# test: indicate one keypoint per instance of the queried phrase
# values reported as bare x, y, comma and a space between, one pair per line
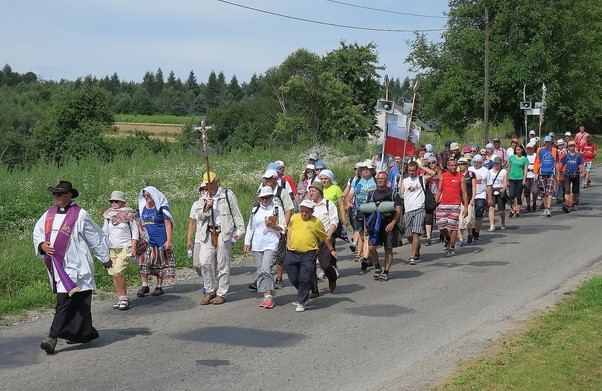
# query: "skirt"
158, 262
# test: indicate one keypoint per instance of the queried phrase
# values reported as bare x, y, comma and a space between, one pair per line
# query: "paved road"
402, 334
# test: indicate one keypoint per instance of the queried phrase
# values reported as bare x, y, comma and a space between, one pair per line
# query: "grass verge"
560, 350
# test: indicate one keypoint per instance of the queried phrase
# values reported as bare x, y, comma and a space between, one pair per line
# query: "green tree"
531, 43
77, 120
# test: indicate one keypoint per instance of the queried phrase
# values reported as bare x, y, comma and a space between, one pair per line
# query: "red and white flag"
397, 138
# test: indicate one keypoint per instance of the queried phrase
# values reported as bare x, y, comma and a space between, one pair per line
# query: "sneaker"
502, 227
365, 264
549, 213
460, 243
124, 305
574, 208
158, 291
116, 305
413, 261
545, 212
320, 274
383, 276
143, 291
353, 247
48, 344
207, 297
476, 238
492, 228
300, 307
450, 253
278, 283
565, 209
428, 242
253, 286
267, 302
446, 245
470, 239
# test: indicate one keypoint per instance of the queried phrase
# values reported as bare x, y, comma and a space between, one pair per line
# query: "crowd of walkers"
293, 226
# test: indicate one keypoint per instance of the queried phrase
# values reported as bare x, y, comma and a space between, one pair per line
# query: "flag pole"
382, 156
409, 126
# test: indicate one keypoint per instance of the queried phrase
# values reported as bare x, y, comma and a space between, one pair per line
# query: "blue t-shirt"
394, 177
362, 189
154, 222
572, 163
489, 164
547, 161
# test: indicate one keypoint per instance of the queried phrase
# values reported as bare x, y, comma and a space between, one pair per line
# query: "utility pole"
486, 92
525, 111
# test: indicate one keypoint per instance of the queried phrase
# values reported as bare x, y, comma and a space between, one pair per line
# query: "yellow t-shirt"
305, 235
332, 193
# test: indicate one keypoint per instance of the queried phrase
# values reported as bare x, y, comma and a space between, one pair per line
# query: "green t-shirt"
332, 193
517, 167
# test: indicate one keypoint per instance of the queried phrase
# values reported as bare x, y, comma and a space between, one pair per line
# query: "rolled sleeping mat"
368, 207
386, 207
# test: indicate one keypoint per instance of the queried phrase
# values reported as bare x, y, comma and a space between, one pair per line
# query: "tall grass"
24, 197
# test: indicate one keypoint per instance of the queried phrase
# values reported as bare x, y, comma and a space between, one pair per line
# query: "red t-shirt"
452, 188
587, 151
292, 183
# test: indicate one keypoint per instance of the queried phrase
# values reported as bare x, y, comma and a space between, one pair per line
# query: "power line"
325, 23
387, 11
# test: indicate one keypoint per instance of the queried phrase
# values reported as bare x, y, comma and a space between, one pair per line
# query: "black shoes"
48, 344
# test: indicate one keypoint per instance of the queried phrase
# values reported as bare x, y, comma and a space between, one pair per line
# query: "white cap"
568, 134
308, 204
454, 146
560, 141
312, 156
280, 163
533, 141
477, 158
270, 174
531, 132
310, 167
429, 148
366, 163
265, 191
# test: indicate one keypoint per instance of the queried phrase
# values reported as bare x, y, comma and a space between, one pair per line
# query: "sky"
67, 39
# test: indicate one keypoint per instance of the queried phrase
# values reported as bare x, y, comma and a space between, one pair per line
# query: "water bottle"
189, 253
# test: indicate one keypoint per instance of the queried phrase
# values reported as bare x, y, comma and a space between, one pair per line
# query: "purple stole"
55, 261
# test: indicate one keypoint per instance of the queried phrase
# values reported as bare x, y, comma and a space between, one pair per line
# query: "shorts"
384, 238
414, 222
447, 217
120, 260
468, 221
588, 166
531, 188
500, 200
547, 183
571, 185
480, 206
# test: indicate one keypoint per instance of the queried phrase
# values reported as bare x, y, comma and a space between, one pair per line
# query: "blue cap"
274, 166
547, 138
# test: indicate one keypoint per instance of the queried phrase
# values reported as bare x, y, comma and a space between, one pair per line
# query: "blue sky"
69, 39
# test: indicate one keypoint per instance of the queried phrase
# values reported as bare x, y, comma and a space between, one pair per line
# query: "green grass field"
560, 350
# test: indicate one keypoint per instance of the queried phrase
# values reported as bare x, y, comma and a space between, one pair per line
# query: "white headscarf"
330, 176
158, 197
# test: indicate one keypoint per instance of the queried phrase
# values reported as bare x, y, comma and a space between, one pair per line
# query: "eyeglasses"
319, 169
114, 201
58, 194
266, 198
473, 150
483, 154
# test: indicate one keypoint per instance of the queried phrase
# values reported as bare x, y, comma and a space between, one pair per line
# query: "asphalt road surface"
404, 334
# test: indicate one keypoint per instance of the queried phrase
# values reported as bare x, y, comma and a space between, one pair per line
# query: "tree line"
306, 99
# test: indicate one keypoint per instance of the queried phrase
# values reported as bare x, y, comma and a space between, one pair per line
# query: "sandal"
158, 291
116, 305
143, 291
124, 305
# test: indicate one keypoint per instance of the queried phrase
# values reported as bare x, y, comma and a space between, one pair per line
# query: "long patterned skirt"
158, 262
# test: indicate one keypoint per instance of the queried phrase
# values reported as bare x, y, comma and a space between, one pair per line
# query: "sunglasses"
114, 201
59, 194
266, 198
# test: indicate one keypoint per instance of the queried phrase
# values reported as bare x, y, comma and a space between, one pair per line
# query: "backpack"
430, 204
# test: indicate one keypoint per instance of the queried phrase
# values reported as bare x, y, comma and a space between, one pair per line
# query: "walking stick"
203, 129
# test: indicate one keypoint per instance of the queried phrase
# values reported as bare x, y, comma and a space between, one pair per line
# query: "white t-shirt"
413, 195
531, 158
499, 179
482, 175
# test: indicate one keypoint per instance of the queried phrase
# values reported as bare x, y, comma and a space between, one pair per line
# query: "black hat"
64, 187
